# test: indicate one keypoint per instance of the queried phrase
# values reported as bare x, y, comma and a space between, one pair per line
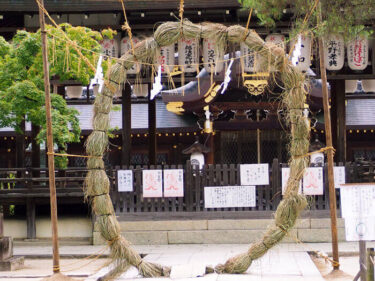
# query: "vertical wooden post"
51, 164
362, 260
211, 144
126, 125
20, 149
370, 264
327, 124
151, 128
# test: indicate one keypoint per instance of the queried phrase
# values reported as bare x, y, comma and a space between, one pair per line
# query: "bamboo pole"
327, 124
51, 163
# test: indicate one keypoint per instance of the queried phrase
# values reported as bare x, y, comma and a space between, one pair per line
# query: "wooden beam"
126, 125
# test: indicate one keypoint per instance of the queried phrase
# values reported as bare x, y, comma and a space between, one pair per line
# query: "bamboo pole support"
51, 163
327, 124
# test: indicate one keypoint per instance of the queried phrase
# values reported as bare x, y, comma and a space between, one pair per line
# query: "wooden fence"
267, 196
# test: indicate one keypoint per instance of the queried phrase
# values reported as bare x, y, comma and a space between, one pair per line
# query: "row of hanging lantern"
188, 53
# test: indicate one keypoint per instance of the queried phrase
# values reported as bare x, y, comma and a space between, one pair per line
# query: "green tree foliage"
347, 17
22, 82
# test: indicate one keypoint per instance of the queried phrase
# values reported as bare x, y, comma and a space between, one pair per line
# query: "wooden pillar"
30, 218
211, 144
20, 147
126, 125
339, 120
35, 156
151, 128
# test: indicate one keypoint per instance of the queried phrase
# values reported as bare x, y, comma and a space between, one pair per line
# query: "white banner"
339, 175
124, 180
313, 181
229, 196
212, 60
173, 183
254, 174
188, 56
152, 183
285, 173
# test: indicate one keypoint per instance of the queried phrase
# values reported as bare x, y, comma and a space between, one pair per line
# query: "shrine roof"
165, 120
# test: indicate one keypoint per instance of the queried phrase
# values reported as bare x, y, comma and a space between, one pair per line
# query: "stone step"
224, 231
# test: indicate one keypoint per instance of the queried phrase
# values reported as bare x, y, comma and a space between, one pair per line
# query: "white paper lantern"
368, 85
334, 52
350, 86
301, 55
277, 39
358, 53
127, 46
197, 159
188, 54
110, 47
140, 90
211, 59
166, 58
73, 92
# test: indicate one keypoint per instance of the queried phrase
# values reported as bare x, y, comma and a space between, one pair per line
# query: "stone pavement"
287, 261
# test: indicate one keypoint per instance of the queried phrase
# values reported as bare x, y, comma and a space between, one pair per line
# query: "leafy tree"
347, 17
22, 83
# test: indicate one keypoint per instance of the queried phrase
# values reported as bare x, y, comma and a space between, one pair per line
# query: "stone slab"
146, 237
163, 225
315, 235
12, 263
326, 223
213, 236
250, 224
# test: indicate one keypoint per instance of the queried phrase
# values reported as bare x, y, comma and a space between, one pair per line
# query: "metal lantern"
110, 47
358, 53
277, 39
249, 58
368, 85
188, 54
334, 52
127, 46
210, 58
301, 55
166, 58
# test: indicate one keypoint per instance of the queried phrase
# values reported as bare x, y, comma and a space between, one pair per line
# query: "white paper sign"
357, 200
357, 229
152, 183
313, 181
339, 176
254, 174
174, 183
285, 173
229, 196
124, 180
358, 209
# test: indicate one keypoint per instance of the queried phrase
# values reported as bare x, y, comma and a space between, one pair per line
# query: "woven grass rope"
293, 99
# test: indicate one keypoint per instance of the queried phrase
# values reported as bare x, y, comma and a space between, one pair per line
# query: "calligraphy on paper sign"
339, 176
174, 183
152, 183
358, 210
124, 180
229, 196
254, 174
313, 181
285, 173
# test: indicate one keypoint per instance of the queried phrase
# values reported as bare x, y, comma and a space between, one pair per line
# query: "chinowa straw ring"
293, 97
